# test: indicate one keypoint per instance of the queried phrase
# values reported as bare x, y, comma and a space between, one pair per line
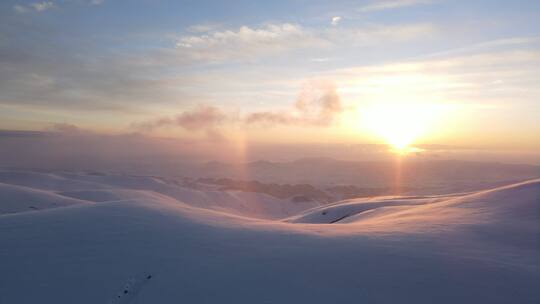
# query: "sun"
399, 125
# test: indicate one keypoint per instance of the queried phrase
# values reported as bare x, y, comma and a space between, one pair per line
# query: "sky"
400, 72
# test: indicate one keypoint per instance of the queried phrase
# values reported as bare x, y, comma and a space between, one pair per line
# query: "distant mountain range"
426, 176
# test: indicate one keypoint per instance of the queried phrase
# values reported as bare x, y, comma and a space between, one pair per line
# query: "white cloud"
42, 6
36, 6
336, 20
384, 5
247, 42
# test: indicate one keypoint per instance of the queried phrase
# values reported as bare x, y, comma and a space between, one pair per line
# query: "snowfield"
99, 238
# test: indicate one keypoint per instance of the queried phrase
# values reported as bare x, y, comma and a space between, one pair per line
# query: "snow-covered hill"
14, 199
93, 187
126, 239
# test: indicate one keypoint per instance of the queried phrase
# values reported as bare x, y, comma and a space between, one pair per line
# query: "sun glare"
400, 125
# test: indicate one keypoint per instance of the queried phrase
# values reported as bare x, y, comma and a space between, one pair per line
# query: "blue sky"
112, 66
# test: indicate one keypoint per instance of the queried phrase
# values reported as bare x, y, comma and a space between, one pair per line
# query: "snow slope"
342, 211
474, 248
15, 199
113, 187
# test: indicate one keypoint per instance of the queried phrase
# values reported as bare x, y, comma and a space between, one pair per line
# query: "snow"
207, 247
113, 187
15, 199
341, 211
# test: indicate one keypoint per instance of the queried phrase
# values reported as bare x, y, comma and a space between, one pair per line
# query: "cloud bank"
318, 104
204, 118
